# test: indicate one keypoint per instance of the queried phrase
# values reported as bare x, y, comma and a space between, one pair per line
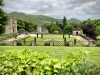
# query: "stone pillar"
15, 42
90, 43
33, 43
51, 42
15, 36
70, 43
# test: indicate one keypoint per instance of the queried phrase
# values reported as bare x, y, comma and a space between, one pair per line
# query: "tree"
64, 21
55, 28
29, 27
1, 3
61, 26
98, 30
57, 23
68, 29
3, 19
24, 26
89, 30
20, 25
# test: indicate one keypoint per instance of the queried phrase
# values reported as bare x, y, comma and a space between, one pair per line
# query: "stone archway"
77, 33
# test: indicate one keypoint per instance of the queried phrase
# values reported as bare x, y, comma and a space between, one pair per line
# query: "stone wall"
41, 29
11, 26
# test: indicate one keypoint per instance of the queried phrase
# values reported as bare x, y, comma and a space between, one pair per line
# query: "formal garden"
45, 40
52, 48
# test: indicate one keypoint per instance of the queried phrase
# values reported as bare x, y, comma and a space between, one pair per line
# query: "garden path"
82, 39
22, 36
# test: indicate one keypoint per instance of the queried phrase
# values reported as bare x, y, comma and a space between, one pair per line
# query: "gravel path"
82, 39
22, 36
18, 37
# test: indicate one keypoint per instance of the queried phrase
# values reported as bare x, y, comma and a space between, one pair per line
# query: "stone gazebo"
76, 31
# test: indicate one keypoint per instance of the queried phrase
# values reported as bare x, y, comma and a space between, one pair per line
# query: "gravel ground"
22, 36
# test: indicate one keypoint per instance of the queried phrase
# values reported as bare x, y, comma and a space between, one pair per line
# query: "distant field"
61, 51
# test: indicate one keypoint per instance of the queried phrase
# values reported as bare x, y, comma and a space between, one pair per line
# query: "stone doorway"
76, 33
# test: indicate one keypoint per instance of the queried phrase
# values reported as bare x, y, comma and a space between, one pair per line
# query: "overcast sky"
80, 9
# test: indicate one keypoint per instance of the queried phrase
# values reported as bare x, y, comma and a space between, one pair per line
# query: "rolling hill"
39, 19
35, 19
74, 20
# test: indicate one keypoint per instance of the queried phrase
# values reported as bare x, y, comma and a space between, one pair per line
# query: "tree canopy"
3, 19
64, 21
68, 29
1, 3
89, 30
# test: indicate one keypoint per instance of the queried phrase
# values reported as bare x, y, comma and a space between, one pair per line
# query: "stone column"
91, 43
70, 43
51, 42
15, 42
33, 43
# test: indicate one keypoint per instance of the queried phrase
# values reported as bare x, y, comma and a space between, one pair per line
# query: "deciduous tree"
3, 19
89, 30
68, 29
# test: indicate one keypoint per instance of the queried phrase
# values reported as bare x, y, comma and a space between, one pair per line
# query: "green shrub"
98, 44
35, 39
3, 44
47, 43
28, 62
55, 32
66, 43
74, 41
19, 43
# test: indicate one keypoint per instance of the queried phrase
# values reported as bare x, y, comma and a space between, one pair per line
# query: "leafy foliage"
3, 21
95, 23
98, 30
89, 30
68, 29
28, 62
1, 3
64, 21
61, 26
25, 26
47, 43
98, 44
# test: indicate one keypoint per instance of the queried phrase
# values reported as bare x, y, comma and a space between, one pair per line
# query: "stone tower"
11, 26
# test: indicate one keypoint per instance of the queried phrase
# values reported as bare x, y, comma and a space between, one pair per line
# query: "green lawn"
61, 51
51, 36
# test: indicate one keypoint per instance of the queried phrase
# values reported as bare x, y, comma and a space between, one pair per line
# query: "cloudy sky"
80, 9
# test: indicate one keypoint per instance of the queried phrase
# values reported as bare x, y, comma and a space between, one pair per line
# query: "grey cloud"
81, 9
